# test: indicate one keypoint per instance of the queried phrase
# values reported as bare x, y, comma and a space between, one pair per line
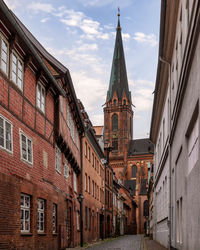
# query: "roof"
98, 130
118, 78
130, 185
140, 146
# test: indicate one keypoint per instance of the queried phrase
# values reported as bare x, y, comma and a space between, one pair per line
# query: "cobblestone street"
132, 242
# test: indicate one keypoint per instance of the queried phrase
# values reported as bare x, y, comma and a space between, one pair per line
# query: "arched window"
133, 171
115, 102
124, 102
115, 122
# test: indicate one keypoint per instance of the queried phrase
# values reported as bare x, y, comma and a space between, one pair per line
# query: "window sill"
42, 234
55, 234
26, 234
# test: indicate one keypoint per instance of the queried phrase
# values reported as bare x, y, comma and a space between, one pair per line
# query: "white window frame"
18, 62
28, 139
193, 145
77, 220
75, 182
41, 96
6, 121
58, 159
54, 218
25, 210
66, 169
2, 39
41, 216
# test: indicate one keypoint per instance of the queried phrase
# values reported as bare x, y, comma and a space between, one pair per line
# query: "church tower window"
133, 171
115, 122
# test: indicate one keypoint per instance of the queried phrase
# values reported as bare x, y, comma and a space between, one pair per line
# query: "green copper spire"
118, 77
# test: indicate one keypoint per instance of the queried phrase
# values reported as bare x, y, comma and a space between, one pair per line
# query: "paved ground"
127, 242
152, 245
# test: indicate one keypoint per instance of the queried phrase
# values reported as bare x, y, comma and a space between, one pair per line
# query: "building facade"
40, 133
175, 127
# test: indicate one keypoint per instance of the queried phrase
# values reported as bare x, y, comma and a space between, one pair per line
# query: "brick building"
93, 175
129, 158
40, 140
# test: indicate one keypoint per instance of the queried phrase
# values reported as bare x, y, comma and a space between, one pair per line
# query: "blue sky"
81, 34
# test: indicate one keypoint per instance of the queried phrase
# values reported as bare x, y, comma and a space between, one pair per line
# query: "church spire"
118, 77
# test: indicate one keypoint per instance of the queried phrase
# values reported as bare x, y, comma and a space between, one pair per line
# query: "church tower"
118, 114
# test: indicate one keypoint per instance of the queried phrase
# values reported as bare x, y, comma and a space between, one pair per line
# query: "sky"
81, 35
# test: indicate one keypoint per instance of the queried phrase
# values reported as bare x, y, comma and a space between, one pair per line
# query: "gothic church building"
130, 159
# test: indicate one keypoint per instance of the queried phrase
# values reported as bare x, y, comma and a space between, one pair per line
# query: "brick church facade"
130, 159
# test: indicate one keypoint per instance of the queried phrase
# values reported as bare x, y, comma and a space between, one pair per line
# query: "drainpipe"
165, 61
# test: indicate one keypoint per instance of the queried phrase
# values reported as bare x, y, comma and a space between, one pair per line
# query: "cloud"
141, 82
125, 36
44, 20
143, 99
97, 119
37, 7
146, 39
13, 4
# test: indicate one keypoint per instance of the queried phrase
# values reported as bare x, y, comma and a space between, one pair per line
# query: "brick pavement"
152, 245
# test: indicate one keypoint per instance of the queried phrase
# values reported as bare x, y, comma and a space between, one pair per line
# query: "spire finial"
118, 26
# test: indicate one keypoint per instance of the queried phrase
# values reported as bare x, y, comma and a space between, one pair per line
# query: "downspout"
169, 149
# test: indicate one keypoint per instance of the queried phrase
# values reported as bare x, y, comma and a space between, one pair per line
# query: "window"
58, 160
86, 149
77, 220
92, 188
85, 217
5, 134
75, 182
115, 144
124, 101
26, 148
41, 97
88, 153
89, 219
193, 141
41, 207
25, 213
66, 169
54, 219
133, 171
93, 159
115, 102
114, 122
17, 70
3, 55
86, 182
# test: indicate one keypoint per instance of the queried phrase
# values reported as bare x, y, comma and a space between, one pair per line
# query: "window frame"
21, 151
66, 169
41, 211
54, 221
18, 60
4, 132
39, 93
56, 159
25, 208
75, 182
2, 38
